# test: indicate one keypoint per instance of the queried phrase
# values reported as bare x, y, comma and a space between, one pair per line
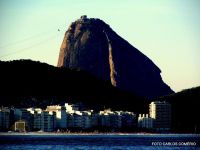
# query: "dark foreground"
100, 142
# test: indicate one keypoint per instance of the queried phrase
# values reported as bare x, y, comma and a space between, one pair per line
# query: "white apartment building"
110, 118
37, 123
69, 113
4, 118
128, 119
48, 121
86, 119
70, 120
144, 121
77, 119
161, 113
72, 107
17, 114
94, 119
61, 118
116, 119
27, 115
69, 116
61, 115
69, 108
104, 117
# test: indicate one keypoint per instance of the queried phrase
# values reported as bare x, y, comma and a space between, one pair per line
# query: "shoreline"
96, 134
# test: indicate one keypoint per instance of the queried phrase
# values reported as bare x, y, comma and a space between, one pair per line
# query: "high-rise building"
61, 115
70, 120
104, 117
144, 121
37, 125
94, 119
4, 118
48, 121
86, 119
129, 119
161, 113
27, 116
116, 119
77, 119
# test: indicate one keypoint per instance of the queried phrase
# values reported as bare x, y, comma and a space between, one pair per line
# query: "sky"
166, 31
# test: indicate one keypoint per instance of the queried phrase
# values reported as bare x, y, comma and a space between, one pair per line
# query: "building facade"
48, 121
129, 119
37, 123
4, 118
161, 113
61, 115
144, 121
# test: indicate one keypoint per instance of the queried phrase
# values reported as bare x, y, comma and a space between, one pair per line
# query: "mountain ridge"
36, 84
185, 109
26, 83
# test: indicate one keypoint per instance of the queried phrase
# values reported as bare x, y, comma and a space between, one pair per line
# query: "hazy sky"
167, 31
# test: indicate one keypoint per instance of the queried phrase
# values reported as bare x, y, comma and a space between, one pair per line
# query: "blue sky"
166, 31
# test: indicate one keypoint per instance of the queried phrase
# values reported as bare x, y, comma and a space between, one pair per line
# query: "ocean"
99, 141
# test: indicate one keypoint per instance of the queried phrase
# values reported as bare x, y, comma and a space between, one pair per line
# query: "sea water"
99, 142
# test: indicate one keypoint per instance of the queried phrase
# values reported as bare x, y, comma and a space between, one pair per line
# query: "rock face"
91, 45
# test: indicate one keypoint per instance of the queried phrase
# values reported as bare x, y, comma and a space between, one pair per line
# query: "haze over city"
165, 31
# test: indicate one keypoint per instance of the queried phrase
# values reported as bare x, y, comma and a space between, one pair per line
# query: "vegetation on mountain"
185, 110
27, 83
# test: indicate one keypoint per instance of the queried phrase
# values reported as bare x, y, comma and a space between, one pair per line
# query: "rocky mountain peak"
91, 45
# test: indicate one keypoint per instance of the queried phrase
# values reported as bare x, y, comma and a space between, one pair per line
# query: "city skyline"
167, 32
72, 116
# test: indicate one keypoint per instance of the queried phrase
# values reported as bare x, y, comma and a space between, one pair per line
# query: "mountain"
185, 110
91, 45
26, 83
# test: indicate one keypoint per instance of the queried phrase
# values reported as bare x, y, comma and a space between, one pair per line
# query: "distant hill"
26, 83
185, 109
91, 45
29, 83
